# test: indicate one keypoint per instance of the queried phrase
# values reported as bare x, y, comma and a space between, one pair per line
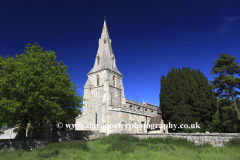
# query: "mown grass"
128, 147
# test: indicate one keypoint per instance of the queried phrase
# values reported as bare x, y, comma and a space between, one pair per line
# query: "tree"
215, 125
187, 98
226, 83
34, 87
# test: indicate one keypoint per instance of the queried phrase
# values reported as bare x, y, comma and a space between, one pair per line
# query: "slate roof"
155, 120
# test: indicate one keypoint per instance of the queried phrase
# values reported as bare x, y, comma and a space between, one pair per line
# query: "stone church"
104, 100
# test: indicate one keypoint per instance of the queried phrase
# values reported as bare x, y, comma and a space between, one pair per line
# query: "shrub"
235, 142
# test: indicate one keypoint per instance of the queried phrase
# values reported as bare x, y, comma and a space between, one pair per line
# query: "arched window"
98, 60
113, 60
97, 80
105, 41
96, 119
113, 80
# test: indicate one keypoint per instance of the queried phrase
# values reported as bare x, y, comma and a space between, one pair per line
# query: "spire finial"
104, 18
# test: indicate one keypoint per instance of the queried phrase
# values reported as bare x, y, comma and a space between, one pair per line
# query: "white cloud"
227, 27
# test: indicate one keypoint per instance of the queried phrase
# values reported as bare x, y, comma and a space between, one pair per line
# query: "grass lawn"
128, 147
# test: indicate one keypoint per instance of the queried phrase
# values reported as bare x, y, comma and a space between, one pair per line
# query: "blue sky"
148, 37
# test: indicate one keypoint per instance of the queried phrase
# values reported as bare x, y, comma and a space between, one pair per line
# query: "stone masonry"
104, 100
215, 139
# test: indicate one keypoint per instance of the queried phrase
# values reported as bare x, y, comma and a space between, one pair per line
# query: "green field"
128, 147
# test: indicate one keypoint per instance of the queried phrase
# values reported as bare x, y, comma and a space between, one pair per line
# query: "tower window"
113, 60
96, 119
98, 60
113, 80
97, 80
105, 41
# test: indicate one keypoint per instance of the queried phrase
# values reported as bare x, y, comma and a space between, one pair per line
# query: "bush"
235, 142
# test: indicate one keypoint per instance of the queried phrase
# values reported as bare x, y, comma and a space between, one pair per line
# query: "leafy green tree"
228, 115
215, 125
34, 87
227, 83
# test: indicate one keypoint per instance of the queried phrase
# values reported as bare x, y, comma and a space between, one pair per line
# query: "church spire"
105, 58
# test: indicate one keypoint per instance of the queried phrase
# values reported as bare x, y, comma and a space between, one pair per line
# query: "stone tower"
104, 100
104, 85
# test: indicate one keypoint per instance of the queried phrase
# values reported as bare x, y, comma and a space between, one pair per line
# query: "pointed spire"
105, 58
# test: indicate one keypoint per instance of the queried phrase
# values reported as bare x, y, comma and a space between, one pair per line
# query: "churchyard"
128, 147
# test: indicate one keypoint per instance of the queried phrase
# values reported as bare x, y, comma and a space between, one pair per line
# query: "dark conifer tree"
187, 98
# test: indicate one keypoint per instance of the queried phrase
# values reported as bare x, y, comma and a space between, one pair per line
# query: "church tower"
104, 87
104, 102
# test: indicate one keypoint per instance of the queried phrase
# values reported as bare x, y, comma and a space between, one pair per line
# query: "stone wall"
16, 144
61, 136
215, 139
57, 136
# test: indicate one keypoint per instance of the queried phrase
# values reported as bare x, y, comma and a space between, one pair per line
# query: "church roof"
105, 58
155, 121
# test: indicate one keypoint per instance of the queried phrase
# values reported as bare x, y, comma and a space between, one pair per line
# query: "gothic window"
97, 80
113, 80
98, 60
96, 119
113, 61
105, 41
